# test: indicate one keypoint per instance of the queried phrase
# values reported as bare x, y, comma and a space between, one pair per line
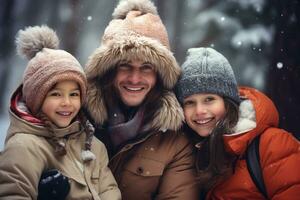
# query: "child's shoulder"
277, 144
26, 140
26, 148
97, 144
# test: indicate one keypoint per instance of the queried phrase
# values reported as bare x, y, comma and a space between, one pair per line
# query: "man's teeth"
134, 89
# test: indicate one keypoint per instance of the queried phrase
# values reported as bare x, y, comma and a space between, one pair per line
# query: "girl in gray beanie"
223, 120
49, 131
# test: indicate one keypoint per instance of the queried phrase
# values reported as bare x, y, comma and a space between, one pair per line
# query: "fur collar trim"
169, 116
247, 119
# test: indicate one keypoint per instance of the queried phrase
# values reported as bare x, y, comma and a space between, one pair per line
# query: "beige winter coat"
28, 153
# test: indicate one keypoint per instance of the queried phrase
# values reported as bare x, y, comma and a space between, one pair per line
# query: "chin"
203, 134
132, 103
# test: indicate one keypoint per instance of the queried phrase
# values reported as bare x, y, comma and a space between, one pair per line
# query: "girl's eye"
209, 99
75, 94
54, 94
187, 103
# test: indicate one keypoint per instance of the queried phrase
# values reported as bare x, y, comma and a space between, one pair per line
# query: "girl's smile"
203, 111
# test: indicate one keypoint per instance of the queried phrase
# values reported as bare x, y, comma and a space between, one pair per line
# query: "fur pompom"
34, 39
87, 155
125, 6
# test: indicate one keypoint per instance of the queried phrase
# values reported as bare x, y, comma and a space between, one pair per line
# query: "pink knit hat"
47, 65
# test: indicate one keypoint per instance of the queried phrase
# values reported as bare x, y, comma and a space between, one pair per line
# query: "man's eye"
123, 67
147, 68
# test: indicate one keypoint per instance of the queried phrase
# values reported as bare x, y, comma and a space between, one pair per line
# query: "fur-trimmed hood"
135, 33
257, 113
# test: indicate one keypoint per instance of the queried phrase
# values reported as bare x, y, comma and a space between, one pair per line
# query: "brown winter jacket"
279, 154
27, 153
159, 165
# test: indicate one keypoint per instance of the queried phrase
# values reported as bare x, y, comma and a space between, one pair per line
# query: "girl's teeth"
202, 121
64, 113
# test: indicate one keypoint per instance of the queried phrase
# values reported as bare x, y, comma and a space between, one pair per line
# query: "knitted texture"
47, 65
139, 17
207, 71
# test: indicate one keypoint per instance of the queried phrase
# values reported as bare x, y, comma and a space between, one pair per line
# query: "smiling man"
133, 81
130, 99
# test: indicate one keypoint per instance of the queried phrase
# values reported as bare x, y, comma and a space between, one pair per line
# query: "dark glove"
53, 185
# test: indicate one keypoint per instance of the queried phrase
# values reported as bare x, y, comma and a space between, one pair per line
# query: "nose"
135, 76
200, 109
66, 101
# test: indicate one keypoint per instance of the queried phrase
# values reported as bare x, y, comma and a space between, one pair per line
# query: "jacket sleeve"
178, 180
108, 186
20, 169
280, 160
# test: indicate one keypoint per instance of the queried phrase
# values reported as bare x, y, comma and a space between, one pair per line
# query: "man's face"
134, 80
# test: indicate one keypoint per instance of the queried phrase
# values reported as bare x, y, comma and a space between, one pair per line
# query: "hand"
53, 185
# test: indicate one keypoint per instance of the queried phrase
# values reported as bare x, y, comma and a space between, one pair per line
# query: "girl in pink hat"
48, 130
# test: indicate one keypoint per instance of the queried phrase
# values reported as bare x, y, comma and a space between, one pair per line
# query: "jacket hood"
257, 113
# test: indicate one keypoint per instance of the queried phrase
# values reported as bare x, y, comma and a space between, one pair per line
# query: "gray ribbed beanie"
207, 71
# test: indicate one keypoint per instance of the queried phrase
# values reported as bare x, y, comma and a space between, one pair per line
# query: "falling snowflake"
279, 65
89, 18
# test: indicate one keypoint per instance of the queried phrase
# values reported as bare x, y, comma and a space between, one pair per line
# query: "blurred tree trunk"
32, 12
71, 31
283, 83
6, 40
54, 13
178, 31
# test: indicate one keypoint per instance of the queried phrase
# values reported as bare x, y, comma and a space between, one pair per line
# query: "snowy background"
260, 38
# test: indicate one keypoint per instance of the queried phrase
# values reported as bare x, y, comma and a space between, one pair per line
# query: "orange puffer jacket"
279, 153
